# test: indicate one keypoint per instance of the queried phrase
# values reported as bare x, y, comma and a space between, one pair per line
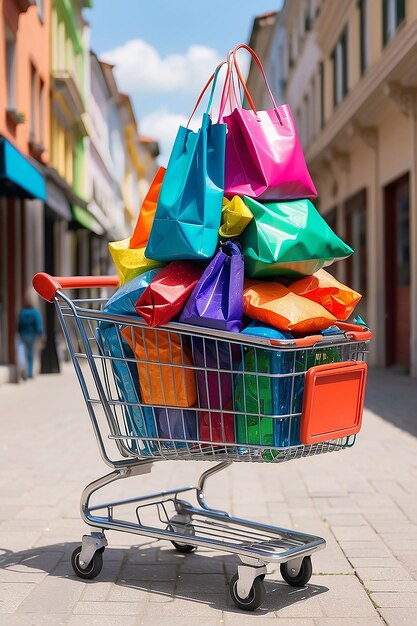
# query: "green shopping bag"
288, 239
258, 395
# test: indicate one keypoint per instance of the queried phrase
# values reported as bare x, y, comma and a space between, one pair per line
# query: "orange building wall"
33, 47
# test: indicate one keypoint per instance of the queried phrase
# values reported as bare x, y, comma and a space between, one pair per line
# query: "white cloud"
164, 125
140, 68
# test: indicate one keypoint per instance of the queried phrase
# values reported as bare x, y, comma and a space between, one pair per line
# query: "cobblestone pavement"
363, 501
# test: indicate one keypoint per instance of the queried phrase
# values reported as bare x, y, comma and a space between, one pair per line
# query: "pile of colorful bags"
226, 234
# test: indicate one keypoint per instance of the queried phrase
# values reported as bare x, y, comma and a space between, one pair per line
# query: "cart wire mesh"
183, 392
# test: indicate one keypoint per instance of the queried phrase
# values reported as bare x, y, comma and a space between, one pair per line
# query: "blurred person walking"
29, 327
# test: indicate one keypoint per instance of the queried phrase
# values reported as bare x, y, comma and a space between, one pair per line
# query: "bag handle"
212, 79
257, 60
244, 46
229, 86
232, 94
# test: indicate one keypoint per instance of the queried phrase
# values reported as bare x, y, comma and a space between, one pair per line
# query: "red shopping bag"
166, 296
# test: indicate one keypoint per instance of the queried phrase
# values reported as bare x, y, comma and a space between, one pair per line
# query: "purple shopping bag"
214, 362
176, 423
217, 299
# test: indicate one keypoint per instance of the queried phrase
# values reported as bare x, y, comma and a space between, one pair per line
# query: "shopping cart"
187, 393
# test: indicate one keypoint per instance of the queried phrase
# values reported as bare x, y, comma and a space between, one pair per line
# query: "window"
33, 84
42, 113
307, 17
355, 208
321, 77
41, 9
307, 126
10, 69
331, 218
290, 57
393, 14
340, 69
364, 34
313, 108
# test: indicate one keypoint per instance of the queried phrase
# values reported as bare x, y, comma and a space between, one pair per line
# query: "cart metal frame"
186, 525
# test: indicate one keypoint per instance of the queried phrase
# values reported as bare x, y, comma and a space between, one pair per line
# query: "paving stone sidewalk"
363, 501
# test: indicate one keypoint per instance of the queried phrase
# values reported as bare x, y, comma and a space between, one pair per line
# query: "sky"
165, 50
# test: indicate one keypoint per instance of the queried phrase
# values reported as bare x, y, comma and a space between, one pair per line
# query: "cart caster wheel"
94, 567
255, 598
303, 575
185, 548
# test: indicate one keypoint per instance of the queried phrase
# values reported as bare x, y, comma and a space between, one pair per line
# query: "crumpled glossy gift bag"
123, 301
176, 424
235, 217
216, 301
264, 157
289, 239
140, 236
139, 420
159, 354
276, 305
166, 296
130, 262
214, 361
279, 394
189, 207
325, 289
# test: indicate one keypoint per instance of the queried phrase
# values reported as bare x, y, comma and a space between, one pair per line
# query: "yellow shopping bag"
235, 217
130, 262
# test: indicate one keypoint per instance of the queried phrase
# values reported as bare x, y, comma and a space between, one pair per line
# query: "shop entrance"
397, 273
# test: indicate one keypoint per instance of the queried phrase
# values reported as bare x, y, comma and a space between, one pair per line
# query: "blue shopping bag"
188, 213
139, 420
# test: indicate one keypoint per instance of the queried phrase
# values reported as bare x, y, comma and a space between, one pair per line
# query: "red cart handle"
47, 286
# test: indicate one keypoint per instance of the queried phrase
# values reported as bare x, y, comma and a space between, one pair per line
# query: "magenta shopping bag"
264, 157
217, 299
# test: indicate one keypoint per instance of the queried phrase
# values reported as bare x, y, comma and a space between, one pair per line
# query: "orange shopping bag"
159, 381
276, 305
323, 288
143, 226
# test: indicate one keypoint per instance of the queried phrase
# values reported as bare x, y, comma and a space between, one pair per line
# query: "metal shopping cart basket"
185, 393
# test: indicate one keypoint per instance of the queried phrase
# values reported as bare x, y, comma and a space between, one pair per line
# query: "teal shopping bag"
188, 213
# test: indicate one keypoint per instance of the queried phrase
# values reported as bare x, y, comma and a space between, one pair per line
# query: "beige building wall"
360, 148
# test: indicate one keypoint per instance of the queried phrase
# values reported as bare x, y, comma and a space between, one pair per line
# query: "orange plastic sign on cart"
333, 401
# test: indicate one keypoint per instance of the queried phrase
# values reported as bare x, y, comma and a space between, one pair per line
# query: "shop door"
397, 273
355, 211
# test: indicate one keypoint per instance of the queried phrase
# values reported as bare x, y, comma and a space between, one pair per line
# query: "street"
363, 501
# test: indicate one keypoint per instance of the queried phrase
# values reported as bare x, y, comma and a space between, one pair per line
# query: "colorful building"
103, 191
73, 169
24, 151
350, 74
140, 163
70, 87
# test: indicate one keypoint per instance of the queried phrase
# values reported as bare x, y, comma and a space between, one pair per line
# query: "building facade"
24, 152
103, 190
73, 168
350, 74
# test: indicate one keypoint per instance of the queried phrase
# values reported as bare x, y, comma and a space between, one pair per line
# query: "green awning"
85, 219
18, 177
